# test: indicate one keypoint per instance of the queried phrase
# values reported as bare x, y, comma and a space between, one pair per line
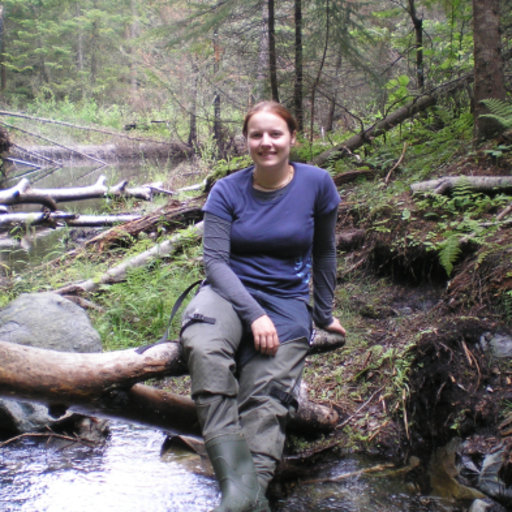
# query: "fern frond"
449, 251
463, 187
499, 111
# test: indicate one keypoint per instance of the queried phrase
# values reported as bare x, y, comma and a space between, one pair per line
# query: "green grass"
136, 311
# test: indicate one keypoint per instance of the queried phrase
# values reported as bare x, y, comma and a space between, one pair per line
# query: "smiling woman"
267, 230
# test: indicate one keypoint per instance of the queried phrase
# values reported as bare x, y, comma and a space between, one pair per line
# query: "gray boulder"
48, 320
44, 320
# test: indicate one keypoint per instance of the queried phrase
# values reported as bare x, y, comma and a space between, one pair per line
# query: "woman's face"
269, 140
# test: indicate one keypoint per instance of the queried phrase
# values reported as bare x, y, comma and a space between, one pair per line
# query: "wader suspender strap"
177, 305
287, 399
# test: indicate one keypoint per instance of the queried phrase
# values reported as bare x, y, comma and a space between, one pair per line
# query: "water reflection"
75, 175
363, 492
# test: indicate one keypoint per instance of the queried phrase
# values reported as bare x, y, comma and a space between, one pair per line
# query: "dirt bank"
418, 369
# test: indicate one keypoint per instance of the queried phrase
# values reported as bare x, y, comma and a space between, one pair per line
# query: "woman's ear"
293, 139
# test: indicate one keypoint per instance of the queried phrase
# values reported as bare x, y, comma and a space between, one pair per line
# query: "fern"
499, 111
449, 251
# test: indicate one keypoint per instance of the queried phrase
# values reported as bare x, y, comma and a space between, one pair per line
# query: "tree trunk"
93, 52
107, 384
418, 30
329, 124
134, 32
80, 51
217, 124
489, 75
272, 56
319, 73
2, 47
261, 86
192, 123
297, 93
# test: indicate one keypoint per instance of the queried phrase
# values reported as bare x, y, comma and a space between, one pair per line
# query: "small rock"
501, 346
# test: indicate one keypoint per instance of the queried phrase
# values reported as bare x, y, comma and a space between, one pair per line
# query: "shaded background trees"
197, 66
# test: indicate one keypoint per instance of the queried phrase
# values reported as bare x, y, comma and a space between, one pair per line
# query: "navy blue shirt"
272, 239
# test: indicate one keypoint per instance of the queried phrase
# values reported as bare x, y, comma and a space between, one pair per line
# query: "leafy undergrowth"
427, 281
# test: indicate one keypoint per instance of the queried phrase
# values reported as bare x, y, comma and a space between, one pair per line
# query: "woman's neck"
272, 179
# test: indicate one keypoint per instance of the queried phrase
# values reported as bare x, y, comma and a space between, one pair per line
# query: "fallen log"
13, 192
8, 220
108, 384
446, 184
24, 193
349, 176
118, 273
171, 217
419, 104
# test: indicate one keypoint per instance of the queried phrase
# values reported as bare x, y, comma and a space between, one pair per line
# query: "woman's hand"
335, 326
265, 336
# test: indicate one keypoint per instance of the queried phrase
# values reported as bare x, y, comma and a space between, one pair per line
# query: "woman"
245, 335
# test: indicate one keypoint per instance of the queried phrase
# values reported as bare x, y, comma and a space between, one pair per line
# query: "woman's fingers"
265, 336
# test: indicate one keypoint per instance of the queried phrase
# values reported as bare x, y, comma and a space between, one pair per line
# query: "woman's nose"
265, 139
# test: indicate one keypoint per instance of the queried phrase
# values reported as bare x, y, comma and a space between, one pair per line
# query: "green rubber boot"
234, 469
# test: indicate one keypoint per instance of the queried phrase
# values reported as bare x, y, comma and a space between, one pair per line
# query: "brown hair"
275, 108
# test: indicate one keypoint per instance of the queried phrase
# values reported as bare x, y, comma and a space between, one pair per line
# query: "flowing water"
129, 472
125, 474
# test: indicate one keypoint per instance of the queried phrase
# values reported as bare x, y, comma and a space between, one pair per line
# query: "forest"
190, 69
407, 103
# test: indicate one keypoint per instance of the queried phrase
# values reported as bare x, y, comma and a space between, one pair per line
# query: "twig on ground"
47, 435
397, 163
347, 420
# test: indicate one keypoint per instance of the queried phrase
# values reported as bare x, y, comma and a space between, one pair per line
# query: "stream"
45, 243
129, 472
